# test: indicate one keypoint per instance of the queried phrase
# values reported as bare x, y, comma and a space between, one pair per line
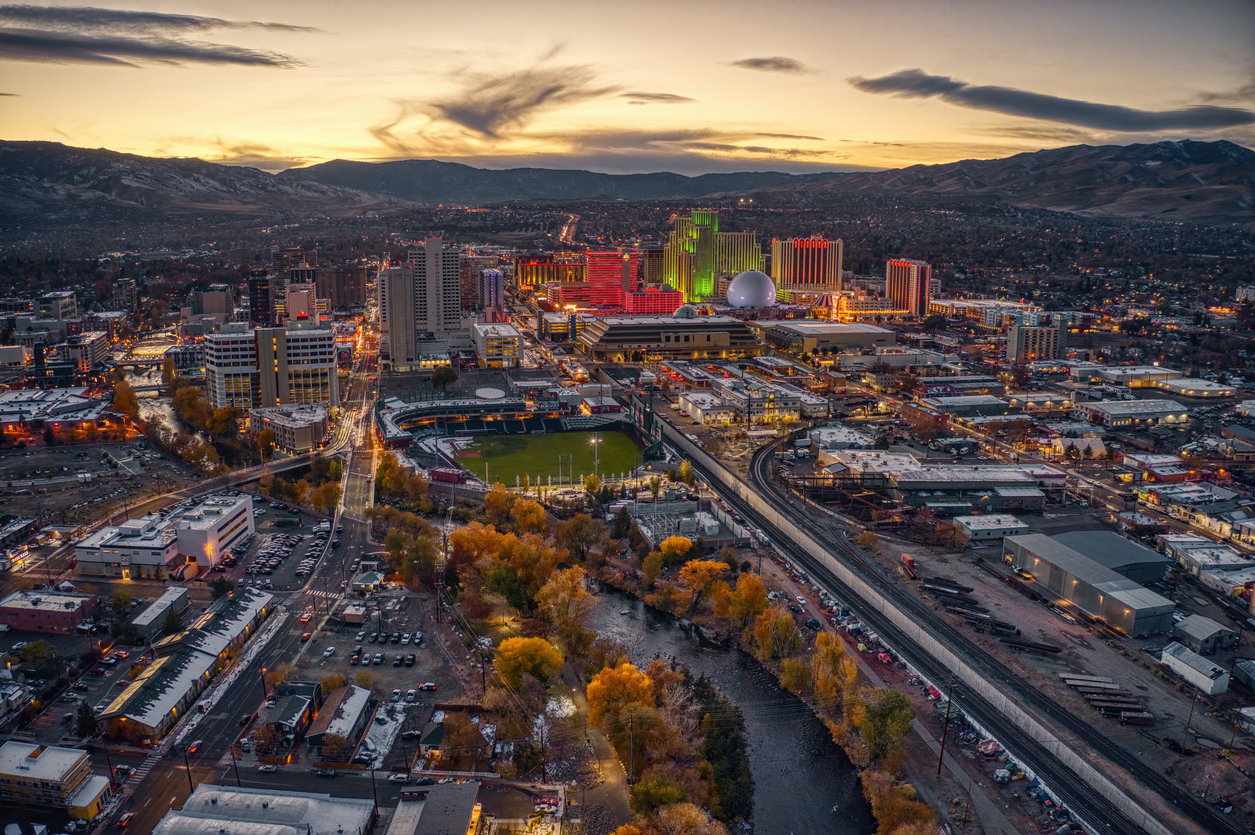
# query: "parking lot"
279, 555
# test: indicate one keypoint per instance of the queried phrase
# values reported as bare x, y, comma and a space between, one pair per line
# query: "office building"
343, 287
49, 776
301, 301
296, 429
261, 311
45, 610
491, 294
216, 300
59, 305
88, 351
209, 530
247, 368
144, 548
534, 271
125, 295
907, 284
610, 275
1048, 341
421, 301
497, 345
651, 260
806, 267
469, 267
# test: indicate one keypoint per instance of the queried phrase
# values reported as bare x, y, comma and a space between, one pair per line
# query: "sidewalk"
612, 792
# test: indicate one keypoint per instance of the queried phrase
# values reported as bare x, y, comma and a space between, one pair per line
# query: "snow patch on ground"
379, 739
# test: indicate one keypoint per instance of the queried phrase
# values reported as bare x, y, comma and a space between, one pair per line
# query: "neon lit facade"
806, 265
611, 275
907, 284
697, 254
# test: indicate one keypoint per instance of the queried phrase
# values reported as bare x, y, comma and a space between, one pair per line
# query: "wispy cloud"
774, 63
126, 38
655, 98
492, 104
79, 18
915, 83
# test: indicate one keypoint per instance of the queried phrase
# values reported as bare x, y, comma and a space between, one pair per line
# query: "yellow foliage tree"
776, 635
698, 575
532, 656
530, 517
616, 690
795, 676
674, 548
831, 670
651, 567
740, 605
497, 505
565, 603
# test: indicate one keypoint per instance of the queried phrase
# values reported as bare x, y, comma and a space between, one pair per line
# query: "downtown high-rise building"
248, 367
491, 294
806, 267
697, 254
419, 301
538, 270
610, 275
907, 283
343, 287
261, 309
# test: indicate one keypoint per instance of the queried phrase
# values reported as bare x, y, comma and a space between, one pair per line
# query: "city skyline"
693, 89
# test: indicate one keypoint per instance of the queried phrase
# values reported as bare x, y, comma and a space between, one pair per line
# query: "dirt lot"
43, 482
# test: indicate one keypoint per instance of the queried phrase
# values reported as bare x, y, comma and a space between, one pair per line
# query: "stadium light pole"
595, 440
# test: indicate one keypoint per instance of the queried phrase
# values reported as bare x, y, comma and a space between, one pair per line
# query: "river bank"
803, 782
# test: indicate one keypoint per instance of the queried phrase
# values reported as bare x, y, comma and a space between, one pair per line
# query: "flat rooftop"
29, 761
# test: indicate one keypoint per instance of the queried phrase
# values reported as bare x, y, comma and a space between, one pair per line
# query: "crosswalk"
141, 770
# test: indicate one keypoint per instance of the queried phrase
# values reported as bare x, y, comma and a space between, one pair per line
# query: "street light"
595, 440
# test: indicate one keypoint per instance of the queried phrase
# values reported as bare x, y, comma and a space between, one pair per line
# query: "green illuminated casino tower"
697, 253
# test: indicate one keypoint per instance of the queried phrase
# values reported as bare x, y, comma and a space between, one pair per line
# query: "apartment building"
248, 368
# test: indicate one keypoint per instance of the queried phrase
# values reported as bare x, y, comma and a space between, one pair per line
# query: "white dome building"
752, 288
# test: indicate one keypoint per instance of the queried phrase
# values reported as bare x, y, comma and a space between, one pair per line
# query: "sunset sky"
626, 87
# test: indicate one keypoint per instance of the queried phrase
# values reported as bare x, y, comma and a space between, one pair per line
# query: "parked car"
328, 652
396, 695
409, 660
268, 768
398, 778
326, 772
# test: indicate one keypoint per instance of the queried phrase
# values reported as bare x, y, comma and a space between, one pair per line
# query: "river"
803, 783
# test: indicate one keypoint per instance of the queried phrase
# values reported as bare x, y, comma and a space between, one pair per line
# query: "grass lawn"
507, 456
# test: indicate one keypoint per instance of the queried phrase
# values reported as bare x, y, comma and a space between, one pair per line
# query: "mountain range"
46, 183
1199, 181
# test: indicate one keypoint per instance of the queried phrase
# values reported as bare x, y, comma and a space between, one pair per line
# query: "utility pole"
968, 805
188, 766
1185, 734
236, 766
109, 760
631, 747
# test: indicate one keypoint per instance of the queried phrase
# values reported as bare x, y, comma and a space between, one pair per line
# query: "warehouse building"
1092, 586
1125, 557
687, 337
47, 611
1203, 635
150, 621
987, 527
1131, 412
1211, 679
212, 809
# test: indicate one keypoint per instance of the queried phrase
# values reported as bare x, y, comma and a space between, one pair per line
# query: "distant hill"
49, 184
48, 181
429, 181
1187, 180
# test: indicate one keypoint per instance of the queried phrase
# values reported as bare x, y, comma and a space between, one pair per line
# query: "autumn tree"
325, 497
883, 721
867, 540
699, 575
125, 399
531, 656
443, 376
832, 672
615, 691
795, 676
365, 679
579, 535
651, 568
332, 682
498, 502
266, 446
741, 604
565, 602
654, 791
592, 483
655, 487
464, 747
530, 517
776, 635
673, 550
336, 748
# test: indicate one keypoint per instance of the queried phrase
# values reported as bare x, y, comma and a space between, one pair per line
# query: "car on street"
427, 685
126, 819
268, 768
326, 772
305, 636
246, 718
195, 746
123, 771
398, 778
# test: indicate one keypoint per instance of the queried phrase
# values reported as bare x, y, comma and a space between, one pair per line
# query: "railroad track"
1085, 801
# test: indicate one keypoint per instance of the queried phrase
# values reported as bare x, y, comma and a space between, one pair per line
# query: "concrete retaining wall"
868, 596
